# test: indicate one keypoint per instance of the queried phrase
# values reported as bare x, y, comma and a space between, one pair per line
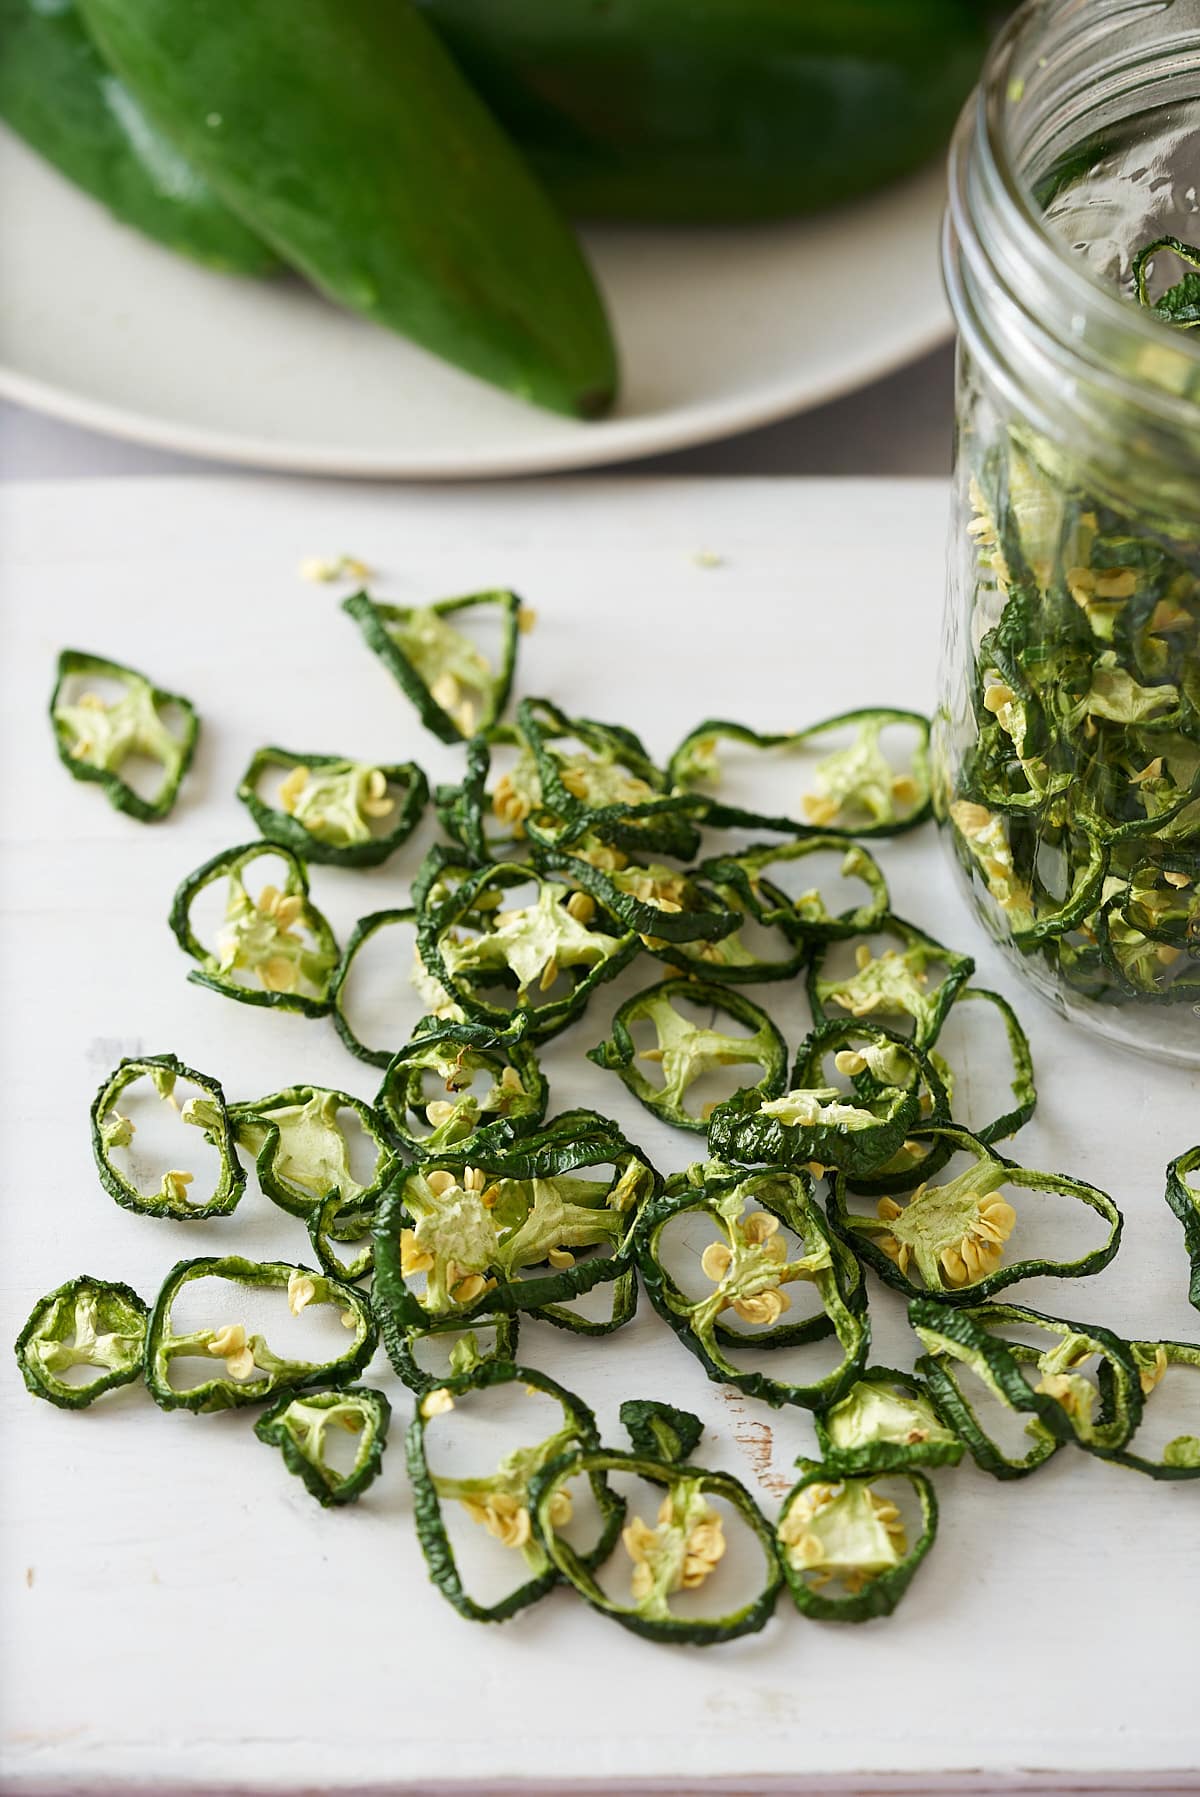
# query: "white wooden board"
178, 1613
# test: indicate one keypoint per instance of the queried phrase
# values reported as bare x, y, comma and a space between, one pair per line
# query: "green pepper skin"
331, 1221
806, 920
462, 810
279, 826
660, 1431
915, 949
121, 796
689, 1630
764, 1045
881, 1455
732, 109
1184, 1199
57, 1315
293, 1375
233, 862
219, 1132
57, 93
427, 1504
380, 622
857, 1230
361, 934
728, 960
1180, 1459
254, 1114
331, 1489
1180, 304
399, 1343
447, 1048
701, 915
345, 136
879, 1596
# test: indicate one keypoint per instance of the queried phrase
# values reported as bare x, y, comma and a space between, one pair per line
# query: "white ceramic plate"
719, 330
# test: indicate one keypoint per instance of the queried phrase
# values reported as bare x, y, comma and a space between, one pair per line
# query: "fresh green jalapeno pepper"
607, 788
856, 791
302, 1151
815, 1124
468, 947
686, 1051
750, 1268
885, 1423
1178, 305
297, 1426
894, 983
522, 1231
251, 1371
1183, 1196
98, 737
1064, 1405
208, 1113
807, 918
466, 1352
347, 813
58, 93
461, 1120
262, 936
677, 1552
1180, 1457
501, 1502
94, 1323
455, 687
952, 1238
661, 903
848, 1534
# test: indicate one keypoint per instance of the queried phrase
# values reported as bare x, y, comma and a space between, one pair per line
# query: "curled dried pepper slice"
330, 809
297, 1424
208, 1113
1179, 1458
97, 738
893, 984
844, 1542
1183, 1196
806, 918
886, 1422
456, 688
460, 1118
302, 1151
276, 936
99, 1324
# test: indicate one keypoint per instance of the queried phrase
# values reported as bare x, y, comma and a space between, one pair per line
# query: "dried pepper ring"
662, 904
806, 918
501, 1502
469, 947
464, 1355
732, 960
845, 1532
1065, 1405
893, 984
456, 689
297, 1426
856, 791
460, 1119
1180, 1457
885, 1423
818, 1125
208, 1113
251, 1371
262, 936
749, 1268
677, 1552
951, 1238
346, 813
97, 1323
96, 738
1183, 1196
302, 1152
332, 1222
433, 997
686, 1051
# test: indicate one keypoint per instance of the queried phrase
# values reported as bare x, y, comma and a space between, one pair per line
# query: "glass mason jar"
1067, 743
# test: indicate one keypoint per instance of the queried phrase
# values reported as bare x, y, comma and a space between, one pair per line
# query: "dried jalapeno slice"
1183, 1196
113, 1132
456, 688
303, 1152
893, 984
886, 1422
1178, 1458
276, 936
433, 999
845, 1544
96, 738
662, 904
486, 1092
1178, 304
748, 1266
952, 1238
452, 1349
807, 918
687, 1050
330, 809
252, 1371
298, 1424
99, 1324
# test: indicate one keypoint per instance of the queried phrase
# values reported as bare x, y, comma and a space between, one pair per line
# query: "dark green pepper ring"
264, 939
243, 1353
687, 1051
728, 960
806, 919
954, 1234
1184, 1199
78, 731
360, 935
748, 1273
334, 1221
688, 1522
323, 1102
892, 984
503, 1502
886, 1422
514, 1106
465, 1355
1180, 1458
385, 629
211, 1115
663, 904
870, 1591
106, 1322
313, 841
296, 1423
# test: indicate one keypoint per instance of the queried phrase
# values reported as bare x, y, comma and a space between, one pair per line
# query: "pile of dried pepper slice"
820, 1184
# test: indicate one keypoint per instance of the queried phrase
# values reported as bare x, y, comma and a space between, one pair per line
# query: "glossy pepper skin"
57, 92
704, 110
343, 132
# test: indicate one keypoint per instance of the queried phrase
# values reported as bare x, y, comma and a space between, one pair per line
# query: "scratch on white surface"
756, 1441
